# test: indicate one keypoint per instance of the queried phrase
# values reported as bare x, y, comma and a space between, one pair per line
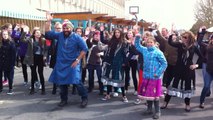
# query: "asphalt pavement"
22, 106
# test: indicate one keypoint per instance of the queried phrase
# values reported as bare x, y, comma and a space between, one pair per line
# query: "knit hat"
68, 25
96, 33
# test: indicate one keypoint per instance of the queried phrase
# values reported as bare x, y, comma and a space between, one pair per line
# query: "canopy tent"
15, 9
98, 18
77, 15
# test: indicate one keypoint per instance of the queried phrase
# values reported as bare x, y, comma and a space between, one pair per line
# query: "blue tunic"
68, 50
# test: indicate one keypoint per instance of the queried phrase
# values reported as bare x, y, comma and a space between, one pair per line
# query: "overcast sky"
166, 12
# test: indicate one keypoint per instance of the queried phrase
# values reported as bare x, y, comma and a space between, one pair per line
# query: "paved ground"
22, 106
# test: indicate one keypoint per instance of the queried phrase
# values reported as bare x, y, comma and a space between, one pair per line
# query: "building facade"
110, 7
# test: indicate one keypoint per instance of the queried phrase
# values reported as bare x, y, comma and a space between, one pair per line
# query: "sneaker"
165, 92
137, 102
135, 93
84, 103
16, 68
37, 85
5, 82
125, 100
62, 103
40, 87
119, 90
201, 106
10, 92
115, 94
156, 116
25, 83
106, 97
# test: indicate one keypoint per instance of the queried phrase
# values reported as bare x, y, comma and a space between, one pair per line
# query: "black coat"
53, 53
7, 55
209, 63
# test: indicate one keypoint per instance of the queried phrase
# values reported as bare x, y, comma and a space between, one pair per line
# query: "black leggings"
24, 69
9, 75
133, 65
38, 62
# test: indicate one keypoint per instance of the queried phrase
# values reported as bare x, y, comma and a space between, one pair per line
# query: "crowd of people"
155, 59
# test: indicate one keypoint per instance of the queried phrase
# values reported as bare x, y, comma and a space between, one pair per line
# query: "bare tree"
204, 12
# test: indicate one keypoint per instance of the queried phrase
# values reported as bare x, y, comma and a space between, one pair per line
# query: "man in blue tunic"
71, 49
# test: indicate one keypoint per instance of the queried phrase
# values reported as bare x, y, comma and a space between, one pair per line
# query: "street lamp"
134, 10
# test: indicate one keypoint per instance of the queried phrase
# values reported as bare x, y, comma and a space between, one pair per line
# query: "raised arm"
48, 23
174, 43
161, 40
102, 38
23, 37
201, 34
138, 45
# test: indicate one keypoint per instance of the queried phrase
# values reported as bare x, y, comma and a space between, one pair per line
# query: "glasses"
185, 37
58, 28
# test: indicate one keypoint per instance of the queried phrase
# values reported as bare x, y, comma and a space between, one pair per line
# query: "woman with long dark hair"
7, 59
186, 50
132, 61
114, 59
35, 56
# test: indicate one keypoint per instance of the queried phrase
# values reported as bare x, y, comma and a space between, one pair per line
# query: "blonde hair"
57, 23
151, 38
147, 34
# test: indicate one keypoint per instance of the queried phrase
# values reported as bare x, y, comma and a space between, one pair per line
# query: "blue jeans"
81, 90
207, 83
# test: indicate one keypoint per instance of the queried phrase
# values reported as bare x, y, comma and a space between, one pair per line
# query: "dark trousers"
187, 85
98, 69
24, 69
83, 75
54, 87
81, 90
168, 75
5, 77
133, 65
9, 75
38, 63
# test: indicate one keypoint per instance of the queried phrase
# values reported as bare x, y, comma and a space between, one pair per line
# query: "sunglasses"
185, 37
